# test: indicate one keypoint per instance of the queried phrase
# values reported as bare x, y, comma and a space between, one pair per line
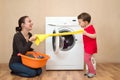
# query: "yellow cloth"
42, 37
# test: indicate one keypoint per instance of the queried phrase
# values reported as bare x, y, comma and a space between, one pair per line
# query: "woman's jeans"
24, 71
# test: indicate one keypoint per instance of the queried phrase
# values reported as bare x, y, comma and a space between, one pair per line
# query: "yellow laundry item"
42, 37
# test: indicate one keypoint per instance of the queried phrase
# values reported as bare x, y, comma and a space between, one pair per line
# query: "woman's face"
28, 24
82, 23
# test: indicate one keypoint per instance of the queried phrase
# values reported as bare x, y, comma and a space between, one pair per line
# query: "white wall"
105, 17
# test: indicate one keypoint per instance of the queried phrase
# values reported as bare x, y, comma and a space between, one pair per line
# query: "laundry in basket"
34, 59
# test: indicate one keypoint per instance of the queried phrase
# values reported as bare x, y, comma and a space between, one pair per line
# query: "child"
89, 40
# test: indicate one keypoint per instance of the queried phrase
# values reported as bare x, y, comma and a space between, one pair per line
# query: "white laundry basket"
93, 62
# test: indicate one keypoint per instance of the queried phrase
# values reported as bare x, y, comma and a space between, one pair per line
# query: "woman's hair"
20, 21
85, 17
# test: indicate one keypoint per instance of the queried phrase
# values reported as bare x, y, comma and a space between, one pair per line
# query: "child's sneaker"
91, 75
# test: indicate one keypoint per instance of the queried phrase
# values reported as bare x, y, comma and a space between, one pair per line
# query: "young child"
89, 40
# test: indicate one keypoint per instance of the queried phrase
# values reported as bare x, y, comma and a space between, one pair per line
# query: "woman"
22, 42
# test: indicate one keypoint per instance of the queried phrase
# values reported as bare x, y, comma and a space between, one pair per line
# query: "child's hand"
33, 38
84, 33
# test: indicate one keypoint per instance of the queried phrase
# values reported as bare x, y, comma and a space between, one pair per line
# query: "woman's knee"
22, 70
32, 73
39, 71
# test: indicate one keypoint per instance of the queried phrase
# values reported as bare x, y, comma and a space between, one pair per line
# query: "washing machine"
66, 52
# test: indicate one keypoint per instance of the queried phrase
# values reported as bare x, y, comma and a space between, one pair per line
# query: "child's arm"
93, 36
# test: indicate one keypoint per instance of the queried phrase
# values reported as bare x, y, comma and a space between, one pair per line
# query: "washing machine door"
57, 42
63, 43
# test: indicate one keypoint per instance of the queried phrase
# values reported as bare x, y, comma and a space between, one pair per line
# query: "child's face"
82, 23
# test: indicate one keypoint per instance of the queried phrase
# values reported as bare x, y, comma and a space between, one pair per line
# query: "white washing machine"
66, 52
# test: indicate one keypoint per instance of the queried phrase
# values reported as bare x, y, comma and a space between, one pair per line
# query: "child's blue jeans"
24, 71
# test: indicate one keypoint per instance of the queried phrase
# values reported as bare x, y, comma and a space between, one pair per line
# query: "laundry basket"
34, 62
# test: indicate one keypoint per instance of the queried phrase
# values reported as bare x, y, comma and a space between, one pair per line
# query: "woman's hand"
33, 38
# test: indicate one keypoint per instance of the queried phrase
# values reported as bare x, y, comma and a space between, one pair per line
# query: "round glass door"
65, 42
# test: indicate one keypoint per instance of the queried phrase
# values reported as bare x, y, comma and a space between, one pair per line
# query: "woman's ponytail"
20, 21
18, 28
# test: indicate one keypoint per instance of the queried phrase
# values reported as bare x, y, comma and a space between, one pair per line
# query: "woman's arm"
21, 46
